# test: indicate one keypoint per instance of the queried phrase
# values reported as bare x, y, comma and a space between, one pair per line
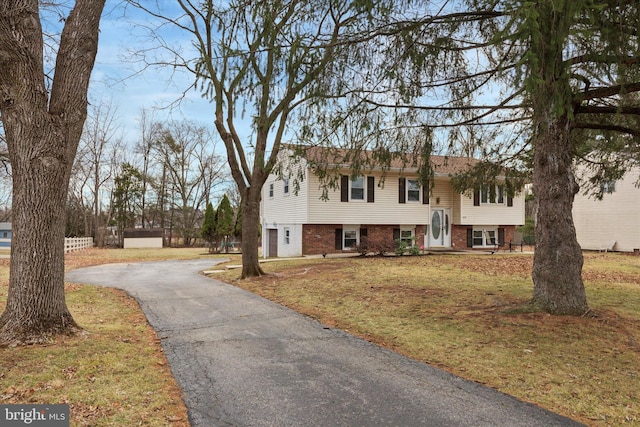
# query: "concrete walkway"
242, 360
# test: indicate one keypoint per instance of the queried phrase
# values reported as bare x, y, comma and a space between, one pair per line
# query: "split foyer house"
612, 223
371, 209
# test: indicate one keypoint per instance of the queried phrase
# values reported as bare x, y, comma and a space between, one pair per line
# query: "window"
608, 187
478, 238
490, 238
271, 190
287, 236
485, 237
357, 188
413, 190
350, 238
286, 186
406, 236
490, 195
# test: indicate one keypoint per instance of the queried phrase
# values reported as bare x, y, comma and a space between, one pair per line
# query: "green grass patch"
470, 315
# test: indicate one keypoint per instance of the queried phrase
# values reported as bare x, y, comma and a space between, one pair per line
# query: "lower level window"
287, 236
406, 236
485, 237
350, 238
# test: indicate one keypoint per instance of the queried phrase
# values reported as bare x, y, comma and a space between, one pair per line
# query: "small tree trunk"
557, 265
250, 233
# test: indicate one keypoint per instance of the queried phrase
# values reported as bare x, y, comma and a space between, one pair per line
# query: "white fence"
77, 243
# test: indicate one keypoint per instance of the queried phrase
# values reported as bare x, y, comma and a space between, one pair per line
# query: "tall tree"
268, 60
43, 124
557, 79
187, 153
224, 221
95, 164
208, 230
126, 198
150, 132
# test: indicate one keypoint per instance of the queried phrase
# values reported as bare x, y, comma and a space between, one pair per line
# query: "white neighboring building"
614, 218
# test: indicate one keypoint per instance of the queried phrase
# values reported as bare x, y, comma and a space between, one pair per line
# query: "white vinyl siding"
284, 208
385, 210
615, 217
442, 195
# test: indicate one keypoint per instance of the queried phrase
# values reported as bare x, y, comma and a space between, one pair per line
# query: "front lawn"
462, 314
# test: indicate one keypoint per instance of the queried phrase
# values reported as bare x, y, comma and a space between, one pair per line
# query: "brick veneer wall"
320, 238
459, 235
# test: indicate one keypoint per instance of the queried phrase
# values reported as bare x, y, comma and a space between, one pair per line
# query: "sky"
119, 80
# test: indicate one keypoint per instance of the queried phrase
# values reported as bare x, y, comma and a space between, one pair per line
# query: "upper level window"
286, 186
357, 188
608, 187
489, 195
271, 190
413, 190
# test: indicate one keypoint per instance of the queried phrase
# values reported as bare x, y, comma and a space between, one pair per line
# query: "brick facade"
320, 238
459, 236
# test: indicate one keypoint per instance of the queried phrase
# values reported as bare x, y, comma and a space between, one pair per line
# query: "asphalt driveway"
242, 360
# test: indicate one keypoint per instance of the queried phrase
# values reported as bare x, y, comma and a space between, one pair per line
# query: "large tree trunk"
42, 133
557, 264
250, 232
36, 307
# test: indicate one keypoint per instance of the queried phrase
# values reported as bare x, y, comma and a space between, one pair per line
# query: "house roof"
442, 165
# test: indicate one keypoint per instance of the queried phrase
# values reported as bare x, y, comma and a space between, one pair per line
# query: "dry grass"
113, 374
463, 314
456, 312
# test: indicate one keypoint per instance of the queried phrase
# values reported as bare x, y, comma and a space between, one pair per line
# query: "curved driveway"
242, 360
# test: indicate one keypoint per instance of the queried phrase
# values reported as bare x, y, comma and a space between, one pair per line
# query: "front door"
440, 228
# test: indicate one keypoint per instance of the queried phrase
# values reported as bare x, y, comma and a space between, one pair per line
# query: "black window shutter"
344, 188
469, 237
425, 193
396, 236
339, 238
509, 201
501, 236
402, 196
363, 237
476, 198
371, 183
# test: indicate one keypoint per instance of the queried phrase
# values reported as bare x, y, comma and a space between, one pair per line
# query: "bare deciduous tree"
187, 154
95, 165
266, 60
